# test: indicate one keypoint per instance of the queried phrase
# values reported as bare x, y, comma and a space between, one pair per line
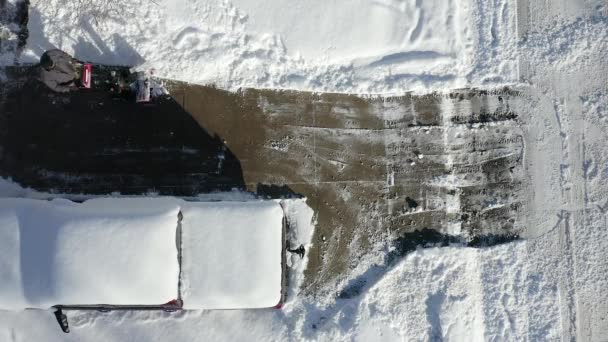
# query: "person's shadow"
94, 49
122, 52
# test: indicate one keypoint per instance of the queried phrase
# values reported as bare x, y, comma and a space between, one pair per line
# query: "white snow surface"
359, 46
231, 255
60, 252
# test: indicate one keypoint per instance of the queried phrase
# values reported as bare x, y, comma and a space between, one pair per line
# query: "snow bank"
60, 252
360, 46
231, 255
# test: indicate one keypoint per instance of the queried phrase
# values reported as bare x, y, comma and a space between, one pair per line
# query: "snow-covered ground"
361, 46
549, 286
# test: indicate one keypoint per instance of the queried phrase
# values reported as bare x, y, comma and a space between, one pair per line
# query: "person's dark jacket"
62, 74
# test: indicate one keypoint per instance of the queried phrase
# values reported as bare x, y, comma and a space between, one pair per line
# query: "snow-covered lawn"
362, 46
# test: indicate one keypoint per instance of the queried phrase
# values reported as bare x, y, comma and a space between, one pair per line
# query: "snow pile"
361, 46
231, 255
60, 252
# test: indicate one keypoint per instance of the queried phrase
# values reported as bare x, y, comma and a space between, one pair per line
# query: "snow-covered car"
143, 254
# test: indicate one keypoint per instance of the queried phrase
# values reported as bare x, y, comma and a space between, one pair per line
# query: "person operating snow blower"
58, 70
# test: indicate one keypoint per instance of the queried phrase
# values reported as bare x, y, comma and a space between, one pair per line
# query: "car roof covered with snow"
231, 255
127, 252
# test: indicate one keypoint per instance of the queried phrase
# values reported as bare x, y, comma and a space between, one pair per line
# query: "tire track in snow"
569, 120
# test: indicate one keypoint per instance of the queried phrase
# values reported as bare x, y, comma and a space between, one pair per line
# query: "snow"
461, 294
361, 46
60, 252
231, 255
324, 29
